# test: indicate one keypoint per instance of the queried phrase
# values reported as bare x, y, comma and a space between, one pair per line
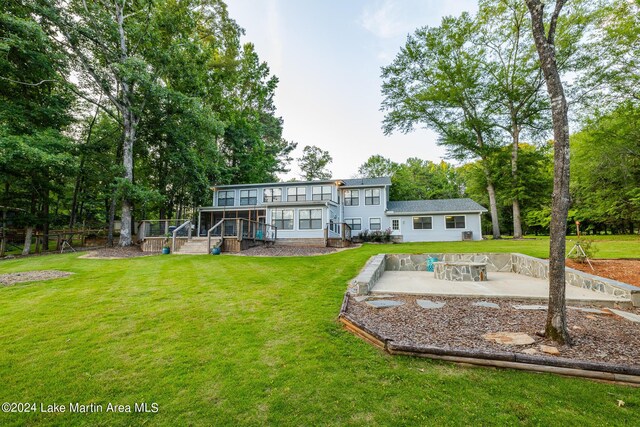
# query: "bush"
376, 236
587, 246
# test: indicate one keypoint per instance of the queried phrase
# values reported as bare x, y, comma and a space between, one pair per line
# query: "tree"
418, 179
515, 80
35, 110
605, 171
377, 166
313, 163
437, 81
556, 326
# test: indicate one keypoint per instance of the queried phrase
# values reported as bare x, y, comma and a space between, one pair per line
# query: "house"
317, 213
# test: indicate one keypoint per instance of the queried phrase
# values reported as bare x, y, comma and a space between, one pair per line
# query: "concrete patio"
498, 285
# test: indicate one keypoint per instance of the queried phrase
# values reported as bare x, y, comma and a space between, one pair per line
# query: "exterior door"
396, 224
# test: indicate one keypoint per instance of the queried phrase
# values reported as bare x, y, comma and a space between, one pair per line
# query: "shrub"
376, 236
587, 246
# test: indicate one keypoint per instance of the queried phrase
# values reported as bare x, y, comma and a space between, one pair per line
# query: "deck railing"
338, 230
184, 230
158, 227
242, 228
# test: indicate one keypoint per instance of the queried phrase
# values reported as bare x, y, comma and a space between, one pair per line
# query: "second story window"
372, 196
322, 192
272, 195
225, 198
296, 194
248, 197
351, 197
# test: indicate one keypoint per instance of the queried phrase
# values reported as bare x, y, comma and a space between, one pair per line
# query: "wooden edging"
595, 371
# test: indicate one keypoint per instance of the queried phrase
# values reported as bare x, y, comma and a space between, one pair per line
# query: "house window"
248, 197
351, 197
310, 219
374, 224
457, 221
225, 198
422, 223
296, 194
395, 224
272, 195
282, 219
322, 192
354, 223
372, 196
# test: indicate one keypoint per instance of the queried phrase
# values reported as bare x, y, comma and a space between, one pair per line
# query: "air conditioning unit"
467, 235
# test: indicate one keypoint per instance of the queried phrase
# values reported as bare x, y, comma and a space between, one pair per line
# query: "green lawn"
251, 341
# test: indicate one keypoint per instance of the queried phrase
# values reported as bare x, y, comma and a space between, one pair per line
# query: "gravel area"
31, 276
286, 251
460, 325
117, 252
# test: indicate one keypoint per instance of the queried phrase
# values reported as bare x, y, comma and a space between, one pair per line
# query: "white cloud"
383, 19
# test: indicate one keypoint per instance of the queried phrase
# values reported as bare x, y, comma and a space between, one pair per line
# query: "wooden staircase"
198, 246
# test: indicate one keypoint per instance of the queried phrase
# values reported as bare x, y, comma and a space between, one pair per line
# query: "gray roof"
357, 182
435, 206
354, 182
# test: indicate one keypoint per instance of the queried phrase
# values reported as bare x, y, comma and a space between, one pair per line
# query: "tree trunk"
27, 241
556, 327
517, 223
493, 205
45, 220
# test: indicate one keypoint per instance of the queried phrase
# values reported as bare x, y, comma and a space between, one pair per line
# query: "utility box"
467, 235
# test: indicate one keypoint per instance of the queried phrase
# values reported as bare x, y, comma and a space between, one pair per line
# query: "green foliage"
313, 163
377, 166
606, 171
375, 236
423, 180
589, 250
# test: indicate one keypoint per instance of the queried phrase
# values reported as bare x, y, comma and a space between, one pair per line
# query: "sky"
327, 55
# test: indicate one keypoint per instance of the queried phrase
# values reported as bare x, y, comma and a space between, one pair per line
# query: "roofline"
338, 182
389, 212
366, 186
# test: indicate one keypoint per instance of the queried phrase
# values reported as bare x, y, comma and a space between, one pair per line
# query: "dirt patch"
460, 325
288, 251
31, 276
622, 270
118, 253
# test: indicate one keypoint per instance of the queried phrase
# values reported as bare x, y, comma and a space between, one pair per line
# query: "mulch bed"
460, 325
31, 276
286, 251
117, 252
623, 270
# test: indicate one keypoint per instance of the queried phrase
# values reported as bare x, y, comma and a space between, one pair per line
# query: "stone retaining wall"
496, 262
368, 276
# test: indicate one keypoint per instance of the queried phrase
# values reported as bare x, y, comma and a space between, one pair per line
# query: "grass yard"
234, 340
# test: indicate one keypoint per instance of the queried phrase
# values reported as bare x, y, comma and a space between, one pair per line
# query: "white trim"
399, 230
344, 197
444, 217
379, 219
226, 206
372, 196
272, 188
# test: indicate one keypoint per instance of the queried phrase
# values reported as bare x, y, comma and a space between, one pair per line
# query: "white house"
312, 212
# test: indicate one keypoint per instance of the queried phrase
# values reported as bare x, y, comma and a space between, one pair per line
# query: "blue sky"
327, 55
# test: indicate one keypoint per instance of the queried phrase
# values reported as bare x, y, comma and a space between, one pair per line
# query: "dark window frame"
349, 200
226, 198
246, 200
322, 195
351, 223
309, 223
268, 195
282, 222
422, 222
371, 200
296, 197
455, 222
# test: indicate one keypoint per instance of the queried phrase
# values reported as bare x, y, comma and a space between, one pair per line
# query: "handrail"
209, 234
175, 233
